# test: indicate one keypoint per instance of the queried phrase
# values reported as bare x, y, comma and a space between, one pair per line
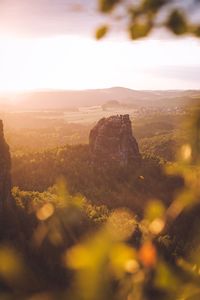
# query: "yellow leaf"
139, 30
101, 32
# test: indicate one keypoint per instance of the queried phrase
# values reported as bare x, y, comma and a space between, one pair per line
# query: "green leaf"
165, 278
101, 32
177, 23
107, 5
139, 30
155, 209
153, 5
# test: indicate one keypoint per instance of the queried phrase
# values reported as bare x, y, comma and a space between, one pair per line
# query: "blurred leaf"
177, 22
188, 267
156, 226
154, 210
139, 29
78, 257
165, 277
12, 268
153, 5
90, 261
186, 152
193, 295
107, 5
148, 254
122, 257
101, 32
154, 11
63, 196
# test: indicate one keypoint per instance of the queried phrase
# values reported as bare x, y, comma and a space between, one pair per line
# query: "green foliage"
177, 23
101, 32
139, 29
58, 197
44, 135
154, 210
153, 5
111, 186
107, 5
145, 15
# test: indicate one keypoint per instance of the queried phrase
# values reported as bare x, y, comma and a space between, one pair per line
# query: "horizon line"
53, 90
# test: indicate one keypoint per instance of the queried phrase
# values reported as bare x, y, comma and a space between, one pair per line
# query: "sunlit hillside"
63, 100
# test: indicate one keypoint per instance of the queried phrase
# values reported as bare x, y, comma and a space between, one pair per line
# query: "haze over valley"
61, 100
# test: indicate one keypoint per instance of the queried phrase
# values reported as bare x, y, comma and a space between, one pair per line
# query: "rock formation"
111, 140
5, 171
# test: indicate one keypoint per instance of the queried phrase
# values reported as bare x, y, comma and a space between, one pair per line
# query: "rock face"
5, 171
111, 140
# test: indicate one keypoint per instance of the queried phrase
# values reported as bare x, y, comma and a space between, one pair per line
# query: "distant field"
88, 115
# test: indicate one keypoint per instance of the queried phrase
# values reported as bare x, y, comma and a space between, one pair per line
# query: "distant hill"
47, 100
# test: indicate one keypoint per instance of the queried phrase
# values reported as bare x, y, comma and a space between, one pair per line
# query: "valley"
77, 172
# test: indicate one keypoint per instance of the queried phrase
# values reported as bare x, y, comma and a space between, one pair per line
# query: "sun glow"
69, 62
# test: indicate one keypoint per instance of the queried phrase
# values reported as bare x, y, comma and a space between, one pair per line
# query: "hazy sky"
49, 44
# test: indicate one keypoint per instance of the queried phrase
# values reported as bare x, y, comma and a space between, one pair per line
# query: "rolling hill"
60, 100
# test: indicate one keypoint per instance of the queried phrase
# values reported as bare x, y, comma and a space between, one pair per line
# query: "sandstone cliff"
111, 140
5, 171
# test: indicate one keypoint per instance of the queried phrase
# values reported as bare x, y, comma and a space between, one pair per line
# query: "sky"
49, 44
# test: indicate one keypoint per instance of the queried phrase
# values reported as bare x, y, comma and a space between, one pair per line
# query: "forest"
71, 217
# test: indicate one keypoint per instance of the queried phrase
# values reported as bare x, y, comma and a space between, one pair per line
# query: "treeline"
158, 134
113, 186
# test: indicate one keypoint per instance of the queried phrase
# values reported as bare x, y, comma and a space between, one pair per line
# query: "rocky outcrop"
111, 140
5, 171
